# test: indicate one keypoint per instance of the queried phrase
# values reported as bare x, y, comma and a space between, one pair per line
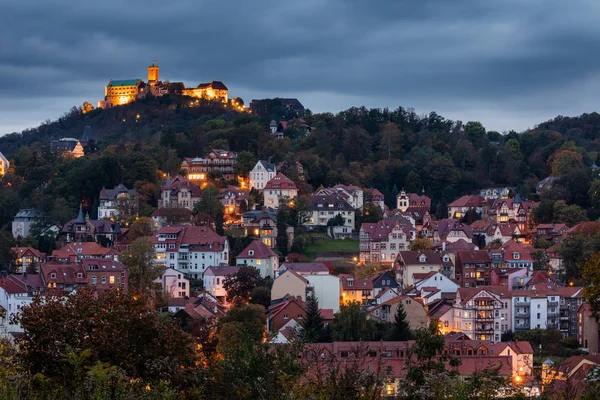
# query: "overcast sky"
509, 64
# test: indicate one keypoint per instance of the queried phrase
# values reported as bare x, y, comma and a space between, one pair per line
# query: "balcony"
564, 317
553, 304
485, 317
521, 327
553, 313
521, 303
522, 314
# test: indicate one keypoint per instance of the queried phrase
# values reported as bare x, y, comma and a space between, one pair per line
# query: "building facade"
118, 202
380, 242
262, 173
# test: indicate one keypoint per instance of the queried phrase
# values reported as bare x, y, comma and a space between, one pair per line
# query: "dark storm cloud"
467, 59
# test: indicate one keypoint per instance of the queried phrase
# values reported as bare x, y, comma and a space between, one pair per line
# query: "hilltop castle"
124, 91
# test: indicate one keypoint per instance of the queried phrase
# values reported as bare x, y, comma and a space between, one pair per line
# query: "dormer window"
53, 275
516, 256
422, 258
251, 252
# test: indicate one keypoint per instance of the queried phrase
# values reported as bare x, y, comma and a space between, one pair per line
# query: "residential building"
448, 230
577, 370
118, 203
416, 314
544, 184
16, 292
213, 279
535, 309
378, 198
198, 169
288, 308
459, 207
75, 252
383, 281
82, 229
324, 207
261, 224
404, 201
512, 278
555, 260
571, 298
100, 274
280, 186
380, 242
28, 257
522, 356
488, 231
174, 284
356, 290
4, 165
513, 210
262, 173
260, 256
179, 192
493, 193
552, 233
477, 313
442, 311
588, 329
68, 147
307, 281
437, 280
421, 262
310, 268
473, 268
353, 195
232, 198
22, 222
190, 249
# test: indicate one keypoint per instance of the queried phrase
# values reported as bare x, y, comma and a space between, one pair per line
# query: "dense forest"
139, 143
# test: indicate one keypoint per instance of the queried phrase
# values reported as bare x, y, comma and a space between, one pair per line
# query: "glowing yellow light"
256, 231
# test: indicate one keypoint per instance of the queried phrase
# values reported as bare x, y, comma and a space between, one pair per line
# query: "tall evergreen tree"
282, 239
314, 331
400, 330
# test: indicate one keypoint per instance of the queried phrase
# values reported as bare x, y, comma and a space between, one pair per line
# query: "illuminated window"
111, 280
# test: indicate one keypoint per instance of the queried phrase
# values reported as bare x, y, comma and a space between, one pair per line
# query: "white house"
213, 281
174, 283
535, 309
16, 292
279, 186
190, 249
117, 202
262, 173
261, 257
324, 207
435, 279
23, 221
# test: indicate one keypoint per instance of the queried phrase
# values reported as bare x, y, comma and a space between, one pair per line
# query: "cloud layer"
509, 64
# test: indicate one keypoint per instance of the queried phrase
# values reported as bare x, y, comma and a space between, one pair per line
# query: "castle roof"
124, 82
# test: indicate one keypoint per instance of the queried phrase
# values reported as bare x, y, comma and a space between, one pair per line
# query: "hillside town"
482, 271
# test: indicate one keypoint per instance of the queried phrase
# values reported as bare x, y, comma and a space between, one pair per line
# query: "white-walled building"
16, 292
190, 249
213, 281
380, 242
302, 282
261, 257
353, 195
435, 279
262, 173
119, 202
419, 263
477, 313
324, 207
535, 309
279, 186
174, 283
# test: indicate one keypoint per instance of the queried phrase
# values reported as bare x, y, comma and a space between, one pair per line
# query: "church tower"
153, 73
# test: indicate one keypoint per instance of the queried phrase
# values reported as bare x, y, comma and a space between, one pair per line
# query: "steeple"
80, 218
168, 182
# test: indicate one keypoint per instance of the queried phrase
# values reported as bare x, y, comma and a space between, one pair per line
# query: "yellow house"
289, 282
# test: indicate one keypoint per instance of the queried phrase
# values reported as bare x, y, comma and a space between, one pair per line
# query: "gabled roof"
223, 270
280, 181
259, 249
82, 249
305, 268
267, 166
411, 257
468, 201
24, 251
213, 85
111, 194
11, 286
383, 228
322, 202
473, 256
351, 283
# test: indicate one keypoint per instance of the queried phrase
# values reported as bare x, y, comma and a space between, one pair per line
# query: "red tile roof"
260, 250
467, 201
280, 181
11, 286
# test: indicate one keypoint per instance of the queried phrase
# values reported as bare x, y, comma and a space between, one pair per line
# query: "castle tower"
153, 73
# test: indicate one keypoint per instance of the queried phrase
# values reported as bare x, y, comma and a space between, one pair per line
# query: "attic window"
251, 252
53, 275
79, 275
